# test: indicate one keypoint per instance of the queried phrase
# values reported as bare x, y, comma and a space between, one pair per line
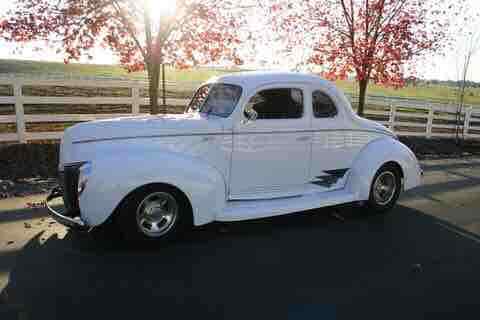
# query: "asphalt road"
420, 261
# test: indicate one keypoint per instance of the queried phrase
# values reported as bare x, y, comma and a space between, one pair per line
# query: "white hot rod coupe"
249, 145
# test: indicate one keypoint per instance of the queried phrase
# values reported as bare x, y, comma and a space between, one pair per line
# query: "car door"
330, 157
271, 154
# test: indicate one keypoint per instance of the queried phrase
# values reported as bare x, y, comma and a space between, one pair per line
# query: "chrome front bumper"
73, 222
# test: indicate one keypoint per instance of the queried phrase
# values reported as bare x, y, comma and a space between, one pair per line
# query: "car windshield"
218, 99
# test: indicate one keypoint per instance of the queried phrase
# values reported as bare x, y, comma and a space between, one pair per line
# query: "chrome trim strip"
240, 200
150, 137
226, 133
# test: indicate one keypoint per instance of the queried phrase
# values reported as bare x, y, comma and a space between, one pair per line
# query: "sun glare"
162, 7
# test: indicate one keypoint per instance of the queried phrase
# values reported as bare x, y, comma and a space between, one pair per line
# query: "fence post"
466, 124
19, 112
430, 122
393, 111
135, 100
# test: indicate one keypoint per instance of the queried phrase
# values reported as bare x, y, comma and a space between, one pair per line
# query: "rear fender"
374, 155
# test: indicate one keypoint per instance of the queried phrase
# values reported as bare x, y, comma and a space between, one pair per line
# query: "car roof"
253, 79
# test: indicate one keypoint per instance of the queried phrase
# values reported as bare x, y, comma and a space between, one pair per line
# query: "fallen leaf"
35, 205
417, 268
223, 230
338, 217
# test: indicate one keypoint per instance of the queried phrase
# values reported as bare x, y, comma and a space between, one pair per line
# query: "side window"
283, 103
323, 106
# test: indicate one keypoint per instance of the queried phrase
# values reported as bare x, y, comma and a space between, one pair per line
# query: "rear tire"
385, 189
153, 214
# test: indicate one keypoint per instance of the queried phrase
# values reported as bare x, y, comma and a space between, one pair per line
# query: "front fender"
114, 177
373, 156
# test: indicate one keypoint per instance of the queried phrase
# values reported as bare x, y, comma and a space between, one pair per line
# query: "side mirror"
250, 114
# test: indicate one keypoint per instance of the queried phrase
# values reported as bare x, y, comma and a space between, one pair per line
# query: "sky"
442, 67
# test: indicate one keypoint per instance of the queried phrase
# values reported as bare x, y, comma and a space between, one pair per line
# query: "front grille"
70, 189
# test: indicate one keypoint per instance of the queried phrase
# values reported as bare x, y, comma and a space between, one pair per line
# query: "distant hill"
433, 90
110, 71
450, 83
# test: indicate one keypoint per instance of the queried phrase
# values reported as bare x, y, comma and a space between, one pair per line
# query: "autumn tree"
374, 40
468, 46
182, 33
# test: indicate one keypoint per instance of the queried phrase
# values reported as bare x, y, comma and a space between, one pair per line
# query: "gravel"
25, 187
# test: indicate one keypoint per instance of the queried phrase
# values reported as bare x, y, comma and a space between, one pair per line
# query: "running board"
253, 209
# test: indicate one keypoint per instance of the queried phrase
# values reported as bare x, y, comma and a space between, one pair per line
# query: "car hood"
143, 127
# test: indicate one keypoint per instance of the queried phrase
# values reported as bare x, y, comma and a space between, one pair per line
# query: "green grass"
423, 92
77, 69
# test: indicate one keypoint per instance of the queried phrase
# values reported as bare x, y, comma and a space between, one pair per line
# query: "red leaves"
203, 31
238, 61
373, 39
275, 7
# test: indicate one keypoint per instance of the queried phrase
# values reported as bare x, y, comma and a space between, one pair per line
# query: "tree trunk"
164, 91
458, 119
153, 83
363, 84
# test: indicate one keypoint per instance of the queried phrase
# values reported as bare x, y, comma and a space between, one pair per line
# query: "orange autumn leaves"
371, 39
202, 32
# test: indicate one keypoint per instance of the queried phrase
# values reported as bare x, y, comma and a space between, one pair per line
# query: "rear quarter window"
323, 105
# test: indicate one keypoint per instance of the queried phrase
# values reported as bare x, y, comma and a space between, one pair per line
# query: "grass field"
440, 93
422, 92
77, 69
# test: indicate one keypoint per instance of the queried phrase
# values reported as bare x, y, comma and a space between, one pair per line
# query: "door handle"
207, 138
303, 138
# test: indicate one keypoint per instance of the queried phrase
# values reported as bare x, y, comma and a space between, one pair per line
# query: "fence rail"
407, 117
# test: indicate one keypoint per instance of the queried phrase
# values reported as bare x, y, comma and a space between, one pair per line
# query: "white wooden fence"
19, 100
405, 117
410, 117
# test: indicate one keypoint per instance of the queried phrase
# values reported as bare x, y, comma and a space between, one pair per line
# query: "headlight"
83, 174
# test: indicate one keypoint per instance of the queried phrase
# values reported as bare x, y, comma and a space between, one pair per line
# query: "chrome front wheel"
154, 213
157, 214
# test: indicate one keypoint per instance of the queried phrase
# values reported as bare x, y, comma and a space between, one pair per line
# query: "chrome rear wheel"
384, 188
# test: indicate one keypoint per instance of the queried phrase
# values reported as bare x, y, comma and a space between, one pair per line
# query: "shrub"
29, 160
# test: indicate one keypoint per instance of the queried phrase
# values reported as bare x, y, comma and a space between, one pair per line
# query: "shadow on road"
404, 264
21, 214
465, 163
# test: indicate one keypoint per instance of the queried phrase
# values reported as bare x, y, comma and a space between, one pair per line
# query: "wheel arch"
376, 154
396, 165
155, 186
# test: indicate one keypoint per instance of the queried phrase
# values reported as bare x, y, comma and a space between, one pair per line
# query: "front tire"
155, 213
385, 189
